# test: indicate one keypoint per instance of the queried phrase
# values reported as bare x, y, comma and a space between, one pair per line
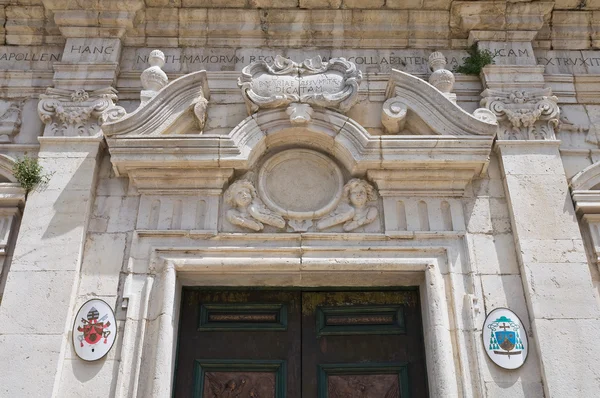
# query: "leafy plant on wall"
475, 62
29, 173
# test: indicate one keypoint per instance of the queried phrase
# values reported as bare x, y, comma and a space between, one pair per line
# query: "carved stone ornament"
393, 115
441, 78
153, 78
10, 121
332, 84
304, 190
524, 115
74, 113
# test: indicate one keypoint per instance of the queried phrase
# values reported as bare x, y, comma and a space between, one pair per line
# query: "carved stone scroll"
393, 115
524, 115
74, 113
332, 84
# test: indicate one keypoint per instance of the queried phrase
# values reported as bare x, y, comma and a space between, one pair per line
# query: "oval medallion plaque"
300, 184
505, 338
94, 330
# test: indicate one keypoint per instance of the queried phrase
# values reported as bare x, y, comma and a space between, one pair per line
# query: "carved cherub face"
358, 192
243, 197
358, 196
240, 194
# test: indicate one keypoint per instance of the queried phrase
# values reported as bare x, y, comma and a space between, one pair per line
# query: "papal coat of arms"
94, 330
505, 338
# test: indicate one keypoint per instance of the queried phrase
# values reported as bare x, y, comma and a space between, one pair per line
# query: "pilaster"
562, 307
42, 287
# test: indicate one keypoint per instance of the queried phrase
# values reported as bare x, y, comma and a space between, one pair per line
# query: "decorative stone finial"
441, 78
153, 78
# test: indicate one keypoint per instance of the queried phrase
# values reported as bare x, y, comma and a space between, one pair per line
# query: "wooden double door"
300, 344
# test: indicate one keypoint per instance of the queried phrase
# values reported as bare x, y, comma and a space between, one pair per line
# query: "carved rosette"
332, 84
74, 113
524, 115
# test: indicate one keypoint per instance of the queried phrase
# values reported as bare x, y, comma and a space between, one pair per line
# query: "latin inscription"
92, 50
29, 56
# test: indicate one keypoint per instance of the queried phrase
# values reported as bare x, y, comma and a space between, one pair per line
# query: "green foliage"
476, 60
29, 173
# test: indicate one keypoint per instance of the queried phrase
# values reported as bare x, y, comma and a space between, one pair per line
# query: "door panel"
289, 344
239, 343
362, 344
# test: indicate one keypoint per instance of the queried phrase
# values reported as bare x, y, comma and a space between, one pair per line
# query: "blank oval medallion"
300, 184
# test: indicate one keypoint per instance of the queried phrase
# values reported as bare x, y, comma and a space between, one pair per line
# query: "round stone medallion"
300, 184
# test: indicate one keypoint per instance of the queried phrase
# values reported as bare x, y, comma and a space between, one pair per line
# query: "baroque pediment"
162, 147
414, 106
177, 108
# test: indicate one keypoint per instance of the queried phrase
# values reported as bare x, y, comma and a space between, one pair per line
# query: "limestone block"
482, 15
241, 27
227, 115
571, 30
287, 28
102, 263
493, 254
213, 3
582, 377
193, 27
273, 4
45, 290
557, 218
22, 354
320, 3
510, 53
488, 187
434, 4
404, 4
92, 50
512, 389
566, 4
552, 251
478, 215
163, 3
428, 29
24, 25
561, 290
2, 23
162, 22
595, 25
363, 3
119, 212
78, 377
527, 15
112, 186
563, 61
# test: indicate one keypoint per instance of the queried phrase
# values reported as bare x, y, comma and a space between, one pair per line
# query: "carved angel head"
358, 192
240, 194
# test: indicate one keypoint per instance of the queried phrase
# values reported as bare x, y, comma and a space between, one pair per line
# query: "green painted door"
294, 344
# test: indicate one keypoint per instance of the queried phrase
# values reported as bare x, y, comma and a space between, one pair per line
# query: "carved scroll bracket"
524, 115
332, 84
74, 113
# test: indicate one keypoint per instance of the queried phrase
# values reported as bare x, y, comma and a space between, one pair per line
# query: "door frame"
172, 260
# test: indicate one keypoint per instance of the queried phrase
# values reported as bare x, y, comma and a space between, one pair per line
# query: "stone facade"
171, 132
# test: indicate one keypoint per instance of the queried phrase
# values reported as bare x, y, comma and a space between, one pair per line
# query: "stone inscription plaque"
185, 60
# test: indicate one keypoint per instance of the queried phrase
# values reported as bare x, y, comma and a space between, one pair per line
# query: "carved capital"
332, 84
523, 115
74, 113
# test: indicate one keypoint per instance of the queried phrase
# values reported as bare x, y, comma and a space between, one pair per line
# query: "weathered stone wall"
509, 239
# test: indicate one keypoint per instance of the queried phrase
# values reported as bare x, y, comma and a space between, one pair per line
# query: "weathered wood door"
292, 344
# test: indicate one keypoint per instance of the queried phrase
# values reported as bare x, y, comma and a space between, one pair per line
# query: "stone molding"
173, 108
431, 105
332, 84
308, 259
73, 113
524, 114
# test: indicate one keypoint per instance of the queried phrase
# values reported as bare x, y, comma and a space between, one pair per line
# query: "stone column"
563, 309
36, 315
